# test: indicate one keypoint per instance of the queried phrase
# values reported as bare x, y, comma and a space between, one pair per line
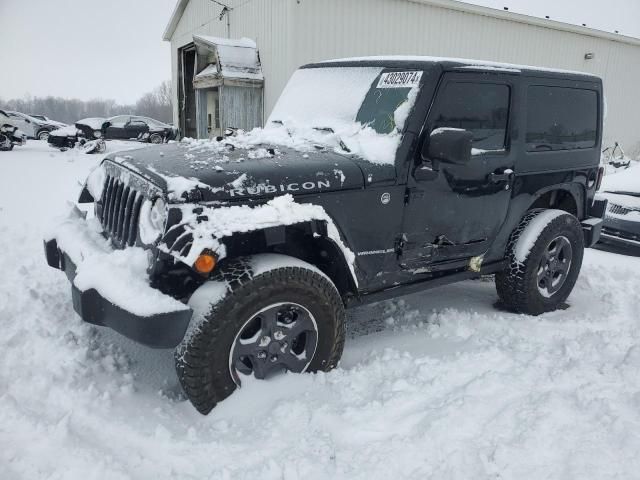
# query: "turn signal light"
205, 263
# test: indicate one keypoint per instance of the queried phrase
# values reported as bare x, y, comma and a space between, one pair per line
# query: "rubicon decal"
399, 80
262, 189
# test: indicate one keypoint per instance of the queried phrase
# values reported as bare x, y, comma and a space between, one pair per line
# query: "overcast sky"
83, 48
113, 49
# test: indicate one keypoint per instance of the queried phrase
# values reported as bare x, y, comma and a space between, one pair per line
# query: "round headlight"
97, 133
153, 218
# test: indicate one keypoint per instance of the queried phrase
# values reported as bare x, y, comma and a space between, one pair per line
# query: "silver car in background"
33, 127
621, 226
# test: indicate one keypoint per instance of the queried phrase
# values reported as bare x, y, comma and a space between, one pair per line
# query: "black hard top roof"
423, 63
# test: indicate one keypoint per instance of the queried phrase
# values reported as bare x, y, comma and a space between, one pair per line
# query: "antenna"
226, 11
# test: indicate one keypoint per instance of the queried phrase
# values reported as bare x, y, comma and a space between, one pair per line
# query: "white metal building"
290, 33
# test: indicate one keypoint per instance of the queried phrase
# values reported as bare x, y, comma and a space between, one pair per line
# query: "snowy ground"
436, 385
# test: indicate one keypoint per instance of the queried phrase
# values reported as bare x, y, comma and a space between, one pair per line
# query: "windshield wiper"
332, 131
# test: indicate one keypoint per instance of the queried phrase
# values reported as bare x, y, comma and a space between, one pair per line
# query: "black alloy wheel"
554, 266
280, 337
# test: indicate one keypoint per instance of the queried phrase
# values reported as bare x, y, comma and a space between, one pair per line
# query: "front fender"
196, 228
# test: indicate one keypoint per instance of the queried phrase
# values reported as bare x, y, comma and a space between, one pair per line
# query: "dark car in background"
121, 127
85, 134
126, 127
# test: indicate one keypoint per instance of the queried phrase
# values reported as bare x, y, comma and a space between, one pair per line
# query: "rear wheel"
287, 318
155, 138
544, 257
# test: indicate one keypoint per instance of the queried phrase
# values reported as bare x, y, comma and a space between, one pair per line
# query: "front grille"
120, 211
619, 209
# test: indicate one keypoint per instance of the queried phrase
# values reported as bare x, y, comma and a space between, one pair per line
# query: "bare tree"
155, 104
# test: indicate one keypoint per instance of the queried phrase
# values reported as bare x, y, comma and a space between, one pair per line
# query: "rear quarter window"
560, 118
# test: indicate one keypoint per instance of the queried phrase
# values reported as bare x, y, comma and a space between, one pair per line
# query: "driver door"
116, 128
135, 127
455, 211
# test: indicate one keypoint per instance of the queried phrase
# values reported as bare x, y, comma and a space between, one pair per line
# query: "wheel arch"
568, 197
307, 241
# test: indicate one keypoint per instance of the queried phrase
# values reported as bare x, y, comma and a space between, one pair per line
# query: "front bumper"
164, 329
620, 232
592, 226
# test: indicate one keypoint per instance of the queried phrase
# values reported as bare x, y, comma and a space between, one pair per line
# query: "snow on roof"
467, 63
229, 42
237, 58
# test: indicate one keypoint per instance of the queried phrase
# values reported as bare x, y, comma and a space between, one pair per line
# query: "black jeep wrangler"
374, 178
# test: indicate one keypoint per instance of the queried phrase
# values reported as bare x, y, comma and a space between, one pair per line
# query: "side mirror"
449, 145
106, 125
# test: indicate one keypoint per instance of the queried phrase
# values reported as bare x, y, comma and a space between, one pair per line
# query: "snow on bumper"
110, 287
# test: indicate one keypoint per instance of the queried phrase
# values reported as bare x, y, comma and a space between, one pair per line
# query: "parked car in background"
121, 127
33, 127
85, 134
125, 127
622, 221
10, 135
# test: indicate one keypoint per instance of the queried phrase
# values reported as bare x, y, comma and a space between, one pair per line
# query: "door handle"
507, 175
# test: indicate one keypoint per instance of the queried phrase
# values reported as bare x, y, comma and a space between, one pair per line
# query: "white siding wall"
293, 32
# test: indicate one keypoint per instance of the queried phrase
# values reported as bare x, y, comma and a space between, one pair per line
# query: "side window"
120, 121
481, 108
561, 118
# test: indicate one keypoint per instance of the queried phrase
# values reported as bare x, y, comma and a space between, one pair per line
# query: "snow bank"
437, 385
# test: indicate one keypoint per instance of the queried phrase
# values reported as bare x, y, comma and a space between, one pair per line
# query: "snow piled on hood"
69, 131
94, 122
363, 142
623, 181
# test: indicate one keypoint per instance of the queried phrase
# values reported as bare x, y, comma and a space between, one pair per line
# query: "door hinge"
411, 193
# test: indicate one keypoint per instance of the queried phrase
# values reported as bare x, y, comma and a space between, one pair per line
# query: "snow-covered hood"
240, 173
94, 123
624, 181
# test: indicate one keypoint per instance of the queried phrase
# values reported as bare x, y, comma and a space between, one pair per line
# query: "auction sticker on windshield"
399, 79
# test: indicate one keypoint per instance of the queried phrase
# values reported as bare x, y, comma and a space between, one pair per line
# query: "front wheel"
263, 315
544, 256
43, 135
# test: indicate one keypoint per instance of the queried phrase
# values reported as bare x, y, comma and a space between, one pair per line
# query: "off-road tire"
202, 359
517, 285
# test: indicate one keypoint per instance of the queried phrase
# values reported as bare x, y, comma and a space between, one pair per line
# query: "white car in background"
31, 126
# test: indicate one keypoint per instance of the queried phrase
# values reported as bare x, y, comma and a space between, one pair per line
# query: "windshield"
361, 108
